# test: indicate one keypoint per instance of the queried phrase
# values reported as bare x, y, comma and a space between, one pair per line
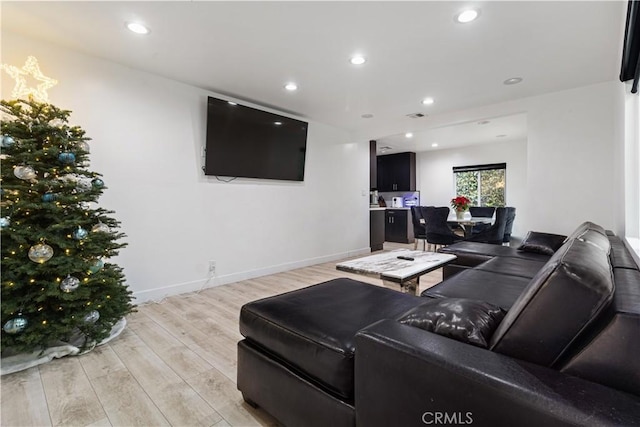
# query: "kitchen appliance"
373, 197
396, 202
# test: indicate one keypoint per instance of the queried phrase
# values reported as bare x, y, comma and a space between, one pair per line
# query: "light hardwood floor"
174, 364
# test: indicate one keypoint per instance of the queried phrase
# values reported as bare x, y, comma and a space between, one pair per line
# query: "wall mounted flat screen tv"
251, 143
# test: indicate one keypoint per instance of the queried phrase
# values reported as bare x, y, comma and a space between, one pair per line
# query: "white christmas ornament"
24, 172
100, 228
69, 284
40, 253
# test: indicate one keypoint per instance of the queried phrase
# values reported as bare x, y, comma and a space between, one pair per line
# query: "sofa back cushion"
597, 239
587, 225
564, 297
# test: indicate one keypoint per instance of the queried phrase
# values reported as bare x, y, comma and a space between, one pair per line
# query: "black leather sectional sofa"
564, 348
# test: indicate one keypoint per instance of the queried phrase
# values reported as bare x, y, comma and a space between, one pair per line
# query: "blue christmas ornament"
5, 222
18, 324
66, 158
80, 233
7, 141
49, 197
96, 266
97, 183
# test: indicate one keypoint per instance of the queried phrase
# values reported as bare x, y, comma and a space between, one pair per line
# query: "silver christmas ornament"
82, 145
100, 228
15, 325
92, 316
24, 172
69, 284
40, 253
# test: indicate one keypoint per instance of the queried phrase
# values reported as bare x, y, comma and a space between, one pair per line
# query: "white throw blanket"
23, 361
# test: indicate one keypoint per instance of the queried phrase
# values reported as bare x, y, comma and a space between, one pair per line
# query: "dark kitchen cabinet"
396, 172
398, 227
376, 229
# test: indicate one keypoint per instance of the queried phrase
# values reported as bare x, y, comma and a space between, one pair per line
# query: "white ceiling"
249, 50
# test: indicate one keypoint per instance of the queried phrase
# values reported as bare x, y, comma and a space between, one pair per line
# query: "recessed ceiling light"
467, 16
277, 123
232, 103
428, 101
408, 135
513, 81
435, 144
484, 122
358, 60
137, 28
291, 86
366, 116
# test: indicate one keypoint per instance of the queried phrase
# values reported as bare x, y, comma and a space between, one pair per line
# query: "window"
484, 185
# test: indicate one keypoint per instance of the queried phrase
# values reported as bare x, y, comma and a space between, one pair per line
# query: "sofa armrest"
410, 377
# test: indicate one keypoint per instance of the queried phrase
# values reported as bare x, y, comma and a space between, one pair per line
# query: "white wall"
148, 133
571, 158
437, 185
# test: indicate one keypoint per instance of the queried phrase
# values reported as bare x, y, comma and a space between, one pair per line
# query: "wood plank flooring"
174, 364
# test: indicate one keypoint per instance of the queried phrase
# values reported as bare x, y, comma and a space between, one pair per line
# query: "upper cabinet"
397, 172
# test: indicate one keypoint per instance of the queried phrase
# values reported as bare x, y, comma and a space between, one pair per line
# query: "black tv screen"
251, 143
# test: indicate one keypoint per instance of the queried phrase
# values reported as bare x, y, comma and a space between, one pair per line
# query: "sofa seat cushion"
561, 301
495, 288
512, 266
312, 329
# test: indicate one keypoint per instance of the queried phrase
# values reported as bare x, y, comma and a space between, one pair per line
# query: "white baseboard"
158, 294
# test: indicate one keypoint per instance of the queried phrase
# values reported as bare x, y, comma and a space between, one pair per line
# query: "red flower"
460, 203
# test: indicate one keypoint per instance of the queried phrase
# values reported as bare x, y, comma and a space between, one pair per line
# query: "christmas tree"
57, 283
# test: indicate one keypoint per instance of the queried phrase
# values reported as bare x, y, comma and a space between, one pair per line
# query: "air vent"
416, 115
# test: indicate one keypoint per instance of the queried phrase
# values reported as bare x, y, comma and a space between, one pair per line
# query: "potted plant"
460, 204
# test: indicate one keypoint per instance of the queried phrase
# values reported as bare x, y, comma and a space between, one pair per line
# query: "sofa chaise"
547, 334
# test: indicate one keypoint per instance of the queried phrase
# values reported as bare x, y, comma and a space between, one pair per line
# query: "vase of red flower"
460, 204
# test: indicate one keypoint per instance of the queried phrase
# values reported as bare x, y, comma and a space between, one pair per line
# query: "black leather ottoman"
297, 359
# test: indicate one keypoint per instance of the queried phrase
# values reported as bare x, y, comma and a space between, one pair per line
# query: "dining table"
467, 223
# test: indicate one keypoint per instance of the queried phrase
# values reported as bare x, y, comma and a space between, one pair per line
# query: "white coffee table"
390, 268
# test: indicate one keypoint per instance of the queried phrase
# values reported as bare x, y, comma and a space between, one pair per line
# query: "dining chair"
438, 231
511, 216
419, 229
481, 212
494, 234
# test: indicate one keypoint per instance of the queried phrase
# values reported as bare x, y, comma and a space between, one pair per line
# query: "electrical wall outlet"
212, 267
